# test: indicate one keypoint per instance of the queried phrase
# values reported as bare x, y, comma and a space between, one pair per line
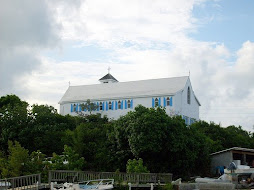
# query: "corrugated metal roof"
142, 88
234, 148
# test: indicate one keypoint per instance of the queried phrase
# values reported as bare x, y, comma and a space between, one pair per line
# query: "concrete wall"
221, 159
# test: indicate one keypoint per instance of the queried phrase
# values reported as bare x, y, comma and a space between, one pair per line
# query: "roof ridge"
128, 81
130, 88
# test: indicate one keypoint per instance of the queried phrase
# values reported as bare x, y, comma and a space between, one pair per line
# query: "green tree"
89, 106
163, 142
89, 140
11, 101
237, 137
136, 166
69, 160
36, 162
3, 164
15, 164
46, 130
14, 118
223, 138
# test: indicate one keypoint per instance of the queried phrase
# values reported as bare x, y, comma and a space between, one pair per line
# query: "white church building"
115, 99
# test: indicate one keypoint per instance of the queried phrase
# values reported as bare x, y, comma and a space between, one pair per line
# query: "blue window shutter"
112, 105
153, 102
71, 108
125, 104
122, 104
103, 106
80, 108
76, 107
106, 106
98, 107
116, 105
159, 101
164, 102
131, 104
171, 101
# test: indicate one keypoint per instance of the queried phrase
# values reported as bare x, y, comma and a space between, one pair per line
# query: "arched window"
110, 106
168, 101
129, 104
156, 102
100, 105
119, 104
188, 96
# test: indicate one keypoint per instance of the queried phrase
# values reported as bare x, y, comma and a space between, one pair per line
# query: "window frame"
188, 96
168, 101
156, 102
119, 105
128, 104
110, 105
100, 106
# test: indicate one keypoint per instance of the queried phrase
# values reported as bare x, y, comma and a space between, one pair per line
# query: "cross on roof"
109, 69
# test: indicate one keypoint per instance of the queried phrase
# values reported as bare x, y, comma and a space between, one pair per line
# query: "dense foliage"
36, 138
136, 166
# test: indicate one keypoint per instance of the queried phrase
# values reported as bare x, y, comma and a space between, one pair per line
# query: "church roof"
108, 76
119, 90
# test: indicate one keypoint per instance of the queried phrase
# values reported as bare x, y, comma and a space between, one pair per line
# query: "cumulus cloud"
147, 39
26, 28
113, 22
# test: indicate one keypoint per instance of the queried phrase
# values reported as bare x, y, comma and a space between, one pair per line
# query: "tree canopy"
145, 139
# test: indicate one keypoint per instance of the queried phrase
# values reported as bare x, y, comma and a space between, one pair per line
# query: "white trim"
234, 148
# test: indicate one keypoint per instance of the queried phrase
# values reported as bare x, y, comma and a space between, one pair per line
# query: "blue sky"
71, 52
227, 21
44, 45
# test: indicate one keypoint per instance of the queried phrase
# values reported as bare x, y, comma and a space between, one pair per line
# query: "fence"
78, 176
22, 182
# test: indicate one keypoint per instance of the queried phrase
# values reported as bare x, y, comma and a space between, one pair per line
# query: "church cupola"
108, 78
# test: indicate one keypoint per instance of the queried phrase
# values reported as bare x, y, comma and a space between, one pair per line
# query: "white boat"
5, 185
99, 184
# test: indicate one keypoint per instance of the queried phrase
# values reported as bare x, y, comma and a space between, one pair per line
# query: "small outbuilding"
241, 156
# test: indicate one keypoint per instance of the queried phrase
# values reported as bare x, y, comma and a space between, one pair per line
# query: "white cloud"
231, 101
146, 39
26, 28
113, 22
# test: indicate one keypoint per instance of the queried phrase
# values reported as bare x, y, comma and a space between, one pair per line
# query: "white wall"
177, 103
190, 110
179, 107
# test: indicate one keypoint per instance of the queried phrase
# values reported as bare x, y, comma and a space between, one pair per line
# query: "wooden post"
12, 184
51, 186
50, 177
129, 186
244, 159
39, 179
151, 186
